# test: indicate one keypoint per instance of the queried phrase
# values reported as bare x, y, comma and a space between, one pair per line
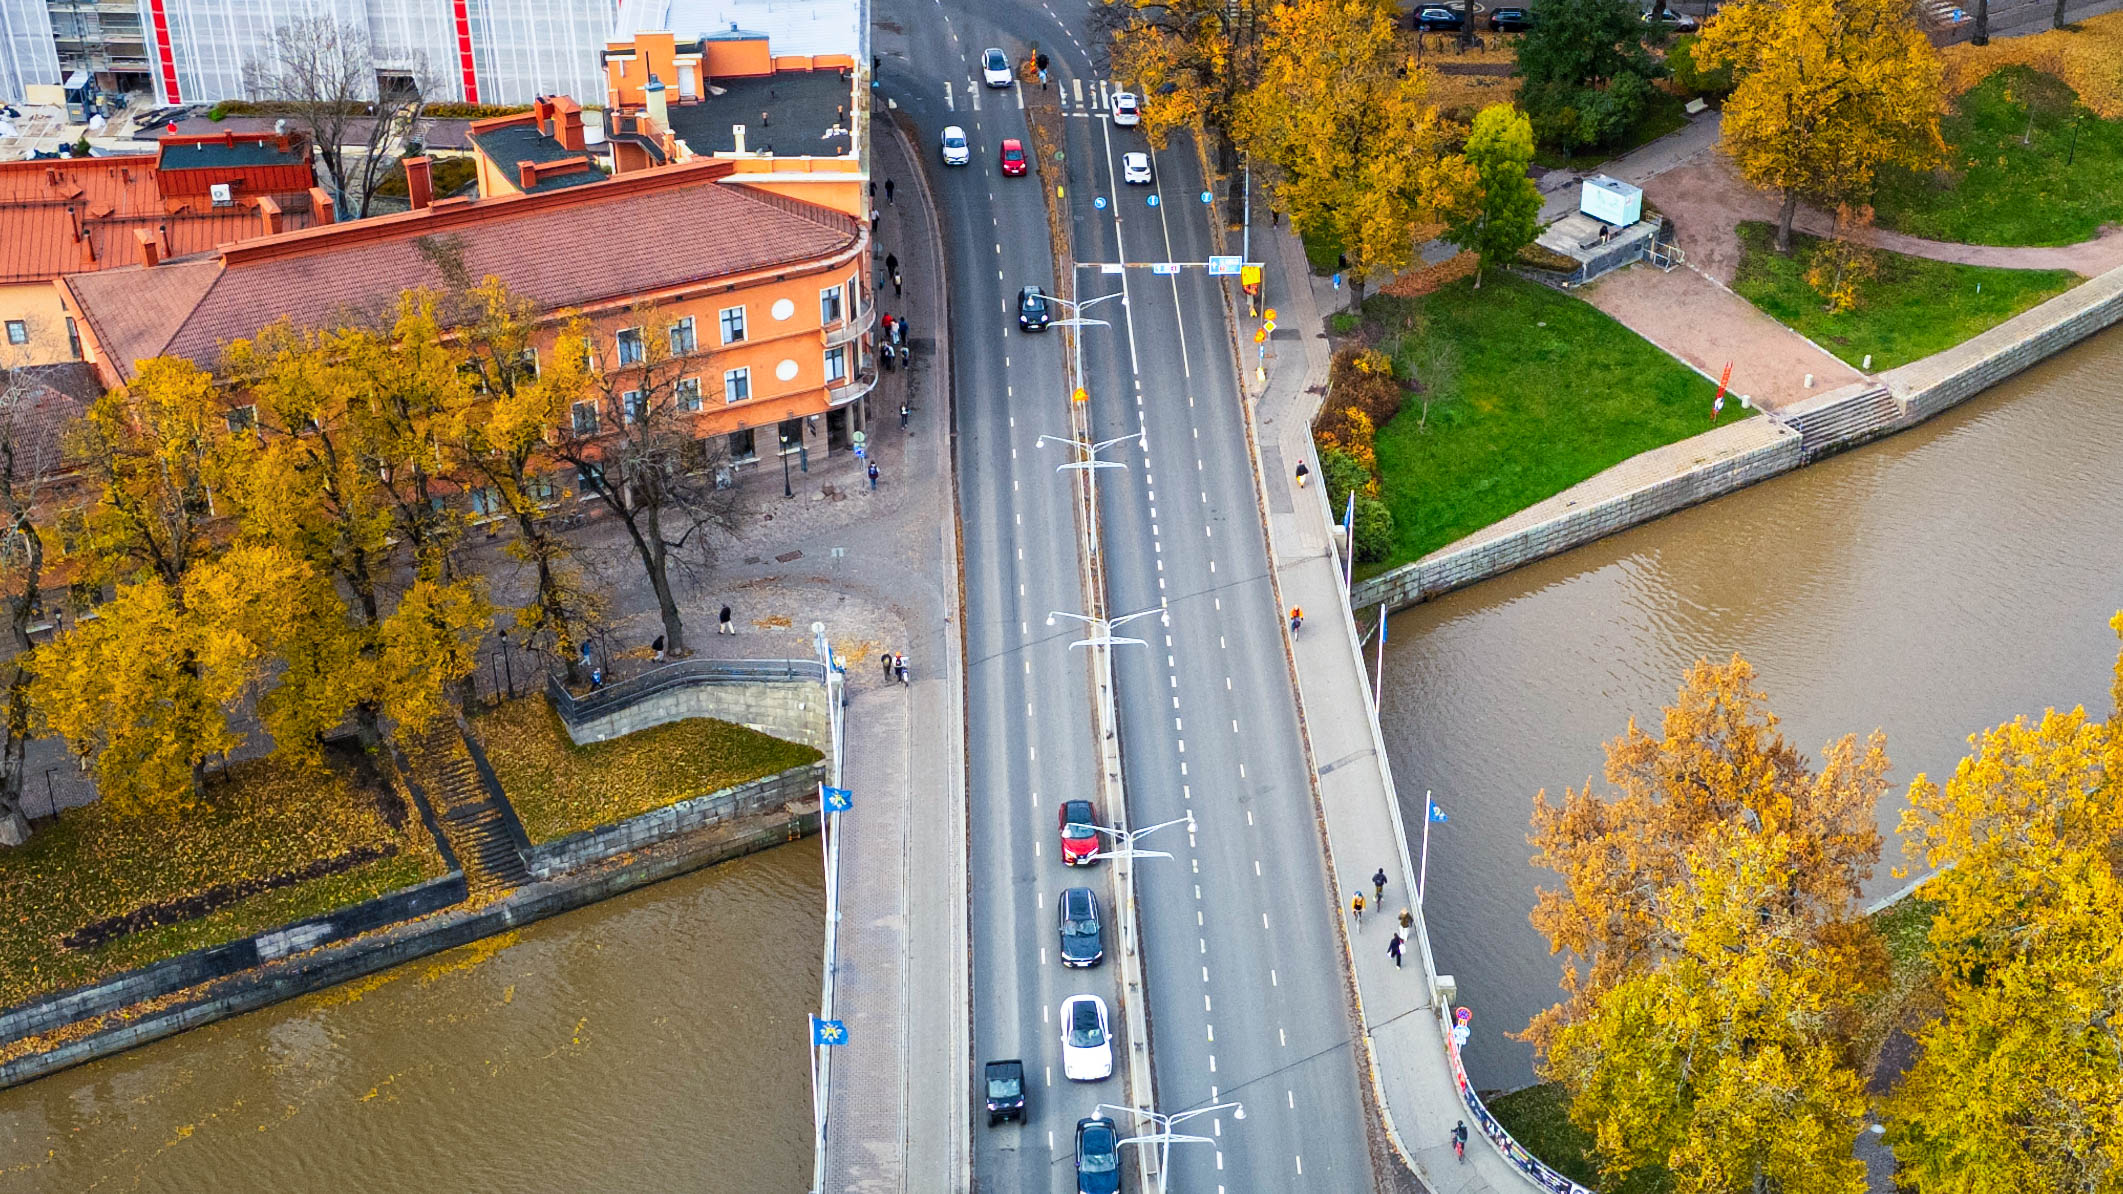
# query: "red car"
1079, 840
1013, 156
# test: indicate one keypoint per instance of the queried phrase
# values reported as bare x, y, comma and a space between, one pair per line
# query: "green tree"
1585, 71
1338, 122
1490, 204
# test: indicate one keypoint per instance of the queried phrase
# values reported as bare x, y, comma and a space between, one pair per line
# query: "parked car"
995, 68
956, 151
1087, 1047
1079, 837
1082, 939
1033, 314
1013, 157
1097, 1156
1135, 169
1006, 1091
1126, 109
1670, 20
1511, 20
1436, 18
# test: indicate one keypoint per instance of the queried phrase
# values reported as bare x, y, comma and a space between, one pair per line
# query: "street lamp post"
1128, 837
1102, 628
786, 491
1164, 1137
1077, 320
1089, 450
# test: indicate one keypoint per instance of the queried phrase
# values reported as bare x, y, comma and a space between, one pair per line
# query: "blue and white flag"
828, 1032
1437, 814
838, 800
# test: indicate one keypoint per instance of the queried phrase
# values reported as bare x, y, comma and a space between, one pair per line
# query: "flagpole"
1349, 542
1422, 875
1378, 682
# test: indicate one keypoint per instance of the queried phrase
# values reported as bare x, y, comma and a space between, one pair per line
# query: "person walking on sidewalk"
724, 625
657, 647
895, 283
873, 476
888, 191
1302, 473
899, 331
1378, 886
904, 411
885, 355
1297, 619
891, 263
1393, 948
1356, 909
886, 659
899, 666
1407, 920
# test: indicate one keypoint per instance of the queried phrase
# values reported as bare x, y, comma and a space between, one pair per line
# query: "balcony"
852, 329
848, 389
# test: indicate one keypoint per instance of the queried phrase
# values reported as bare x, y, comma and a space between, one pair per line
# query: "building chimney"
527, 176
420, 181
542, 115
567, 124
320, 207
269, 210
228, 138
737, 133
150, 247
659, 108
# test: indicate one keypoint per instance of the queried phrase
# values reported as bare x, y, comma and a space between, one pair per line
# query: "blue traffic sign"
1153, 201
1099, 203
1207, 197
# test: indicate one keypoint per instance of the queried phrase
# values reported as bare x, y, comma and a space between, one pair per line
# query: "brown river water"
651, 1042
1929, 584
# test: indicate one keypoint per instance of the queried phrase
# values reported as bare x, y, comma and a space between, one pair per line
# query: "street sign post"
1164, 267
1224, 267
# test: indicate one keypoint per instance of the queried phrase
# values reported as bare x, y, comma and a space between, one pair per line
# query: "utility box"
1611, 200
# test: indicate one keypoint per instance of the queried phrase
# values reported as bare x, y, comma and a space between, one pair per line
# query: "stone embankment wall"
1663, 480
785, 698
769, 794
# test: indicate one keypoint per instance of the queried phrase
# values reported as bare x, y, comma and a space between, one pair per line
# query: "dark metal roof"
515, 143
806, 115
211, 155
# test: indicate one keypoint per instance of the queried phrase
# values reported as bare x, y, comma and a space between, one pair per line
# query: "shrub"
1362, 379
1345, 322
1713, 83
1373, 531
1341, 473
1542, 257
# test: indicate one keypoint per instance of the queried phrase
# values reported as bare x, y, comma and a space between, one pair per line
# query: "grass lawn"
1914, 306
97, 862
1995, 190
560, 788
1539, 1118
1549, 391
1663, 114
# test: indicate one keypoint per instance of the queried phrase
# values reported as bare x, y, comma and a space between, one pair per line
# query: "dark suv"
1082, 943
1436, 18
1097, 1156
1033, 310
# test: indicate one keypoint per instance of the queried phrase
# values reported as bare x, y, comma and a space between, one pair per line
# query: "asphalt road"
1246, 991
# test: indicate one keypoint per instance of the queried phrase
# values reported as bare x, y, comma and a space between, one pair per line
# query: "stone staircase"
1843, 418
470, 815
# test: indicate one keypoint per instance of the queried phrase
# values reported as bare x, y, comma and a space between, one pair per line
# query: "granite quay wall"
1720, 461
291, 976
760, 796
782, 697
220, 961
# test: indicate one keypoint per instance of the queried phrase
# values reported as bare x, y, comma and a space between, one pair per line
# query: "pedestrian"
1378, 886
891, 263
723, 624
1356, 908
596, 678
1341, 260
899, 331
888, 190
885, 355
899, 665
1393, 948
886, 659
873, 188
873, 476
873, 221
904, 411
1407, 919
657, 647
888, 327
895, 284
1303, 471
1275, 218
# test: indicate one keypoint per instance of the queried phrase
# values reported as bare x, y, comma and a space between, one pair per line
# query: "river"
651, 1042
1930, 584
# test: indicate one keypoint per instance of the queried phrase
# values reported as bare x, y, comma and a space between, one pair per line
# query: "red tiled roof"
61, 216
636, 234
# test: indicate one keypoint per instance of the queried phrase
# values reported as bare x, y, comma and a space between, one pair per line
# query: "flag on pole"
828, 1032
1437, 814
838, 800
1717, 404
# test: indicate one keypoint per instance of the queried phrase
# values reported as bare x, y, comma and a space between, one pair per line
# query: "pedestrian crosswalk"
1090, 95
1078, 96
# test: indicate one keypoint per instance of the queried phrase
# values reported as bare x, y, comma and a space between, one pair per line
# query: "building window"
737, 385
829, 306
527, 365
689, 393
854, 289
486, 502
791, 432
242, 418
589, 478
585, 418
630, 350
741, 448
682, 337
17, 331
630, 406
836, 364
733, 324
73, 337
541, 490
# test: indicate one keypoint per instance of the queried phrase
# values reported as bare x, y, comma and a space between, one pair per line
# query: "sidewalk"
1404, 1035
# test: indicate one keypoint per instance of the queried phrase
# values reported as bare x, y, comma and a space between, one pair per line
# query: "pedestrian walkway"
1404, 1032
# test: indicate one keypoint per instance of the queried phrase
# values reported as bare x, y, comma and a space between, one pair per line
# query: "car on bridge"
956, 151
1013, 157
995, 68
1087, 1045
1006, 1091
1079, 832
1082, 939
1097, 1156
1033, 314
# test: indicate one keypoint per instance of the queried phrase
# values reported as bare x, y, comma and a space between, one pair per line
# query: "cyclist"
1297, 619
1356, 908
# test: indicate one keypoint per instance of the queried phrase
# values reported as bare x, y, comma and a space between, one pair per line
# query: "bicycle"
1356, 910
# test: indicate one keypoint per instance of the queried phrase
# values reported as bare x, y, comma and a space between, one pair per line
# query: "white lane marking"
1020, 86
1212, 1032
950, 97
1079, 82
1300, 1165
1284, 1041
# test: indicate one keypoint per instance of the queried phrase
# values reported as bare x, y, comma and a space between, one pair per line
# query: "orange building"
75, 215
770, 295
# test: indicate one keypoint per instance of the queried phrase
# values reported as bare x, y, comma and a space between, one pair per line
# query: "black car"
1082, 943
1511, 20
1436, 18
1006, 1091
1033, 310
1097, 1156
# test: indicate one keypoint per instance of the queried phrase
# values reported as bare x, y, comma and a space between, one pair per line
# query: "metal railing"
683, 673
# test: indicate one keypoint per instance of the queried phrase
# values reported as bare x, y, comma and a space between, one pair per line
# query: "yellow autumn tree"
2020, 1082
1338, 121
1186, 59
1721, 1060
1825, 93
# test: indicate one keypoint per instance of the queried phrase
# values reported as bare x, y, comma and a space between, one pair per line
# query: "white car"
1125, 108
995, 68
1087, 1048
956, 151
1135, 169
